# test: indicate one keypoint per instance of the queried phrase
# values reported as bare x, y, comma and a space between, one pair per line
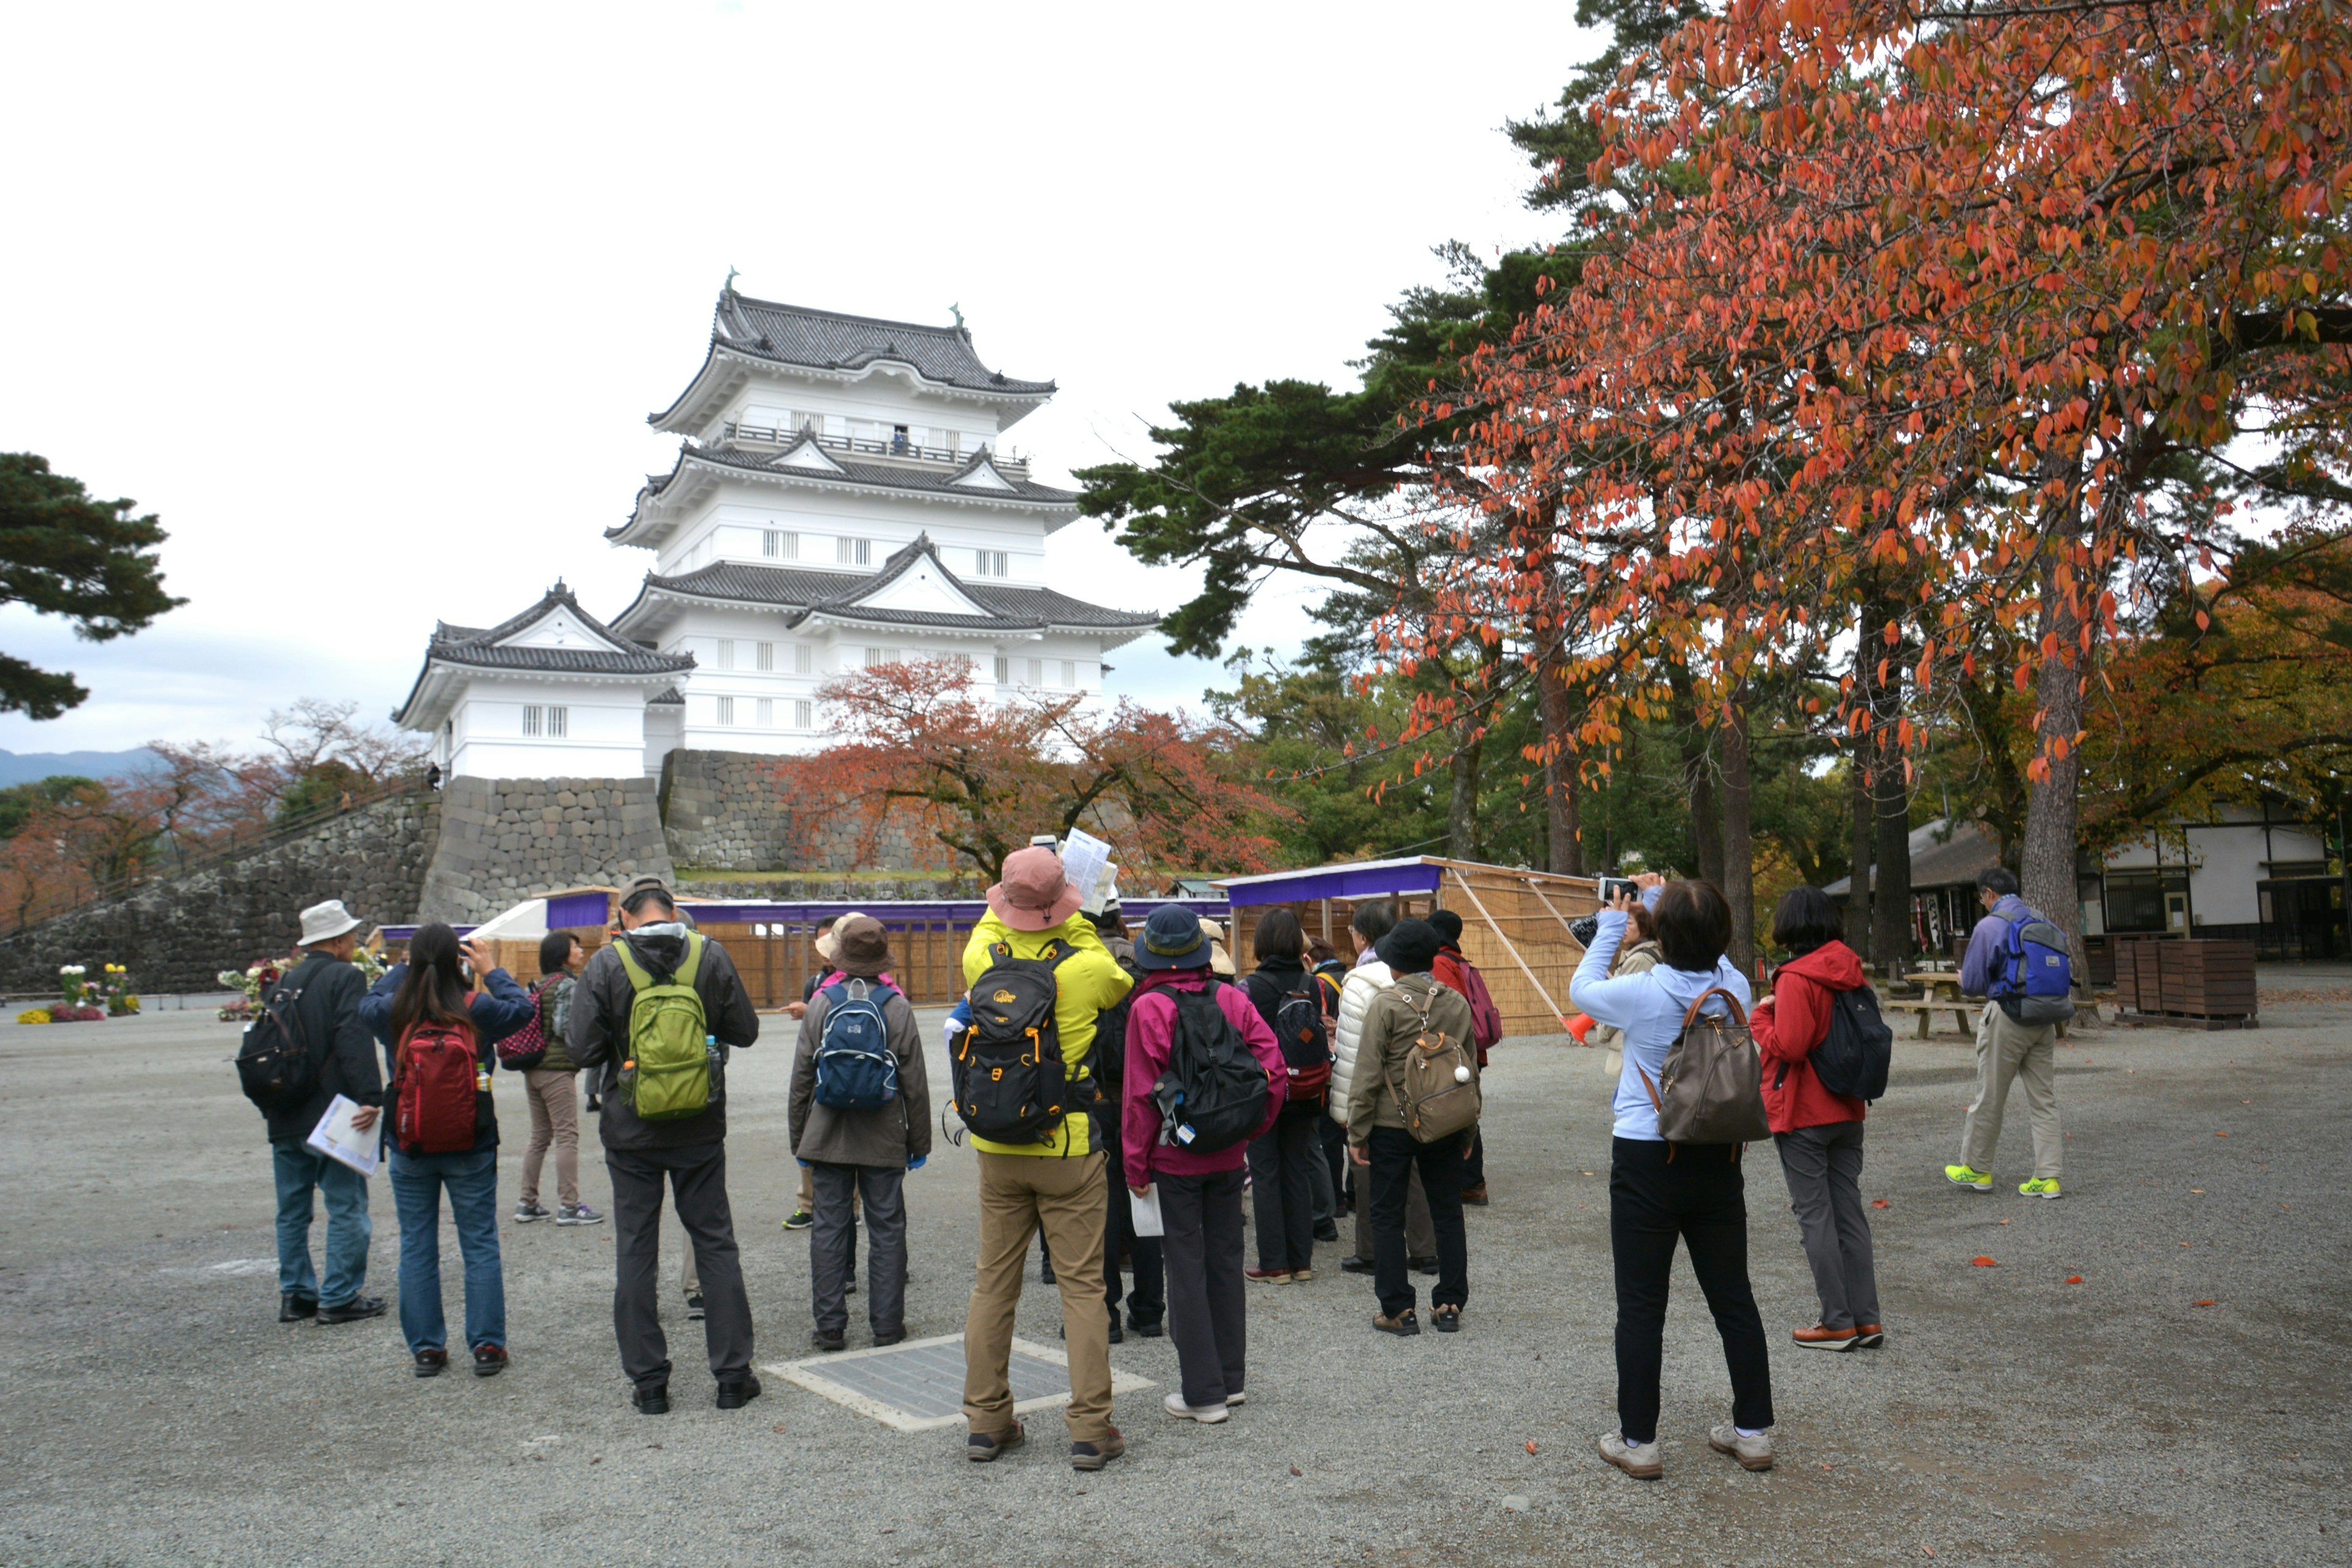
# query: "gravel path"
155, 1411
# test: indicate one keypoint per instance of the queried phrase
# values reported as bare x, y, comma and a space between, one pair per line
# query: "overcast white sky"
370, 302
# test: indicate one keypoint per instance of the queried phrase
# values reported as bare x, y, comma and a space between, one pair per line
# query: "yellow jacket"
1086, 982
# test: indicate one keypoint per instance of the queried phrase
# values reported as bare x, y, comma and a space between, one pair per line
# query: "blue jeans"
299, 1168
472, 1181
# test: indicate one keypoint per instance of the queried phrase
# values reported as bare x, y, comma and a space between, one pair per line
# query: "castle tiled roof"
827, 340
484, 647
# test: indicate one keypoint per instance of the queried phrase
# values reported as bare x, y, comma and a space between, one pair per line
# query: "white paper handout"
1146, 1210
1084, 859
337, 1139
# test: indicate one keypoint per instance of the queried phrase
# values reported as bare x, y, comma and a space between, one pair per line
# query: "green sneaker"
1962, 1176
801, 1219
2040, 1187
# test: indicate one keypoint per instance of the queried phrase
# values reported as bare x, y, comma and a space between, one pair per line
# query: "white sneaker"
1236, 1399
1640, 1460
1753, 1453
1206, 1414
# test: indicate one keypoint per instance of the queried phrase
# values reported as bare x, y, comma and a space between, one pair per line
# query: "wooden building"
1514, 923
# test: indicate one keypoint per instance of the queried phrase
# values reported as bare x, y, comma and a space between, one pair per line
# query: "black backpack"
1855, 1055
1109, 1059
1213, 1095
274, 1064
1297, 1019
1011, 1083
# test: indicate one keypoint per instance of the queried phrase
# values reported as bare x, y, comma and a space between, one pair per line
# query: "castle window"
531, 716
764, 656
856, 552
778, 545
767, 711
559, 722
1004, 671
803, 715
990, 563
726, 710
804, 658
726, 653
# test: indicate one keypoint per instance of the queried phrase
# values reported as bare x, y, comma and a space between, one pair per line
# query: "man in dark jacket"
325, 991
855, 1152
690, 1153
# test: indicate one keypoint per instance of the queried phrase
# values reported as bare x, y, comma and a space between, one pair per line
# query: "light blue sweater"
1648, 1007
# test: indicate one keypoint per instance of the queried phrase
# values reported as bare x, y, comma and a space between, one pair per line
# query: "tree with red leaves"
980, 777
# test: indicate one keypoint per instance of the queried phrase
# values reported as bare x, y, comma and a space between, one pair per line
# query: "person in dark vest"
1147, 1303
325, 989
687, 1155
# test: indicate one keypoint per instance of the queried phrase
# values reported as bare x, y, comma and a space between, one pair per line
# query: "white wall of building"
883, 396
490, 730
733, 522
2223, 861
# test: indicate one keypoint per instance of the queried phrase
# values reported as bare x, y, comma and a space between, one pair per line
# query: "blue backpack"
2035, 981
855, 1067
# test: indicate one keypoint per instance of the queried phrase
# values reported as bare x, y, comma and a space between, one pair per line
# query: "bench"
1964, 1014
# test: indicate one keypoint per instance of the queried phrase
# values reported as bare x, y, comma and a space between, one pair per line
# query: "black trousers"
1207, 1318
1282, 1189
1395, 1156
1147, 1302
697, 1177
1698, 1197
1335, 1150
1473, 1169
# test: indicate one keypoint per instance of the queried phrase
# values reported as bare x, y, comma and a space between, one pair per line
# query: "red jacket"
1789, 1025
1151, 1037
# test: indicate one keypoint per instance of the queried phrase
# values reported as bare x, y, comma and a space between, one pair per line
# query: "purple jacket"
1150, 1030
1988, 942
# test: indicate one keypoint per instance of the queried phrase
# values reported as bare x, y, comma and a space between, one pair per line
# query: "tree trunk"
1563, 851
1890, 907
1738, 846
2046, 864
1697, 779
1865, 831
1462, 806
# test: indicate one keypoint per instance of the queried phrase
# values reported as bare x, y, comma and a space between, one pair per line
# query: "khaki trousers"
554, 1100
1068, 1197
2007, 1050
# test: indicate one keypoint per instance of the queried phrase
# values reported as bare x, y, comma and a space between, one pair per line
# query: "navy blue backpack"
2035, 981
855, 1067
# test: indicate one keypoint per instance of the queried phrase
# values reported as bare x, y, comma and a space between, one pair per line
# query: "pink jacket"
1150, 1030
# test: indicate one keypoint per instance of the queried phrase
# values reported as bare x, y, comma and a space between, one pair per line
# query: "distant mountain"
24, 767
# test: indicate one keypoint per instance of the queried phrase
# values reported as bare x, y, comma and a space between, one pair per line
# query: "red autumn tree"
979, 776
1934, 336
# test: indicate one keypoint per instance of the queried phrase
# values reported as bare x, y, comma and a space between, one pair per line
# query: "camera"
1612, 886
1584, 928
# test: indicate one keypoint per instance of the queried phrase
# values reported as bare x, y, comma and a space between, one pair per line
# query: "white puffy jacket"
1356, 993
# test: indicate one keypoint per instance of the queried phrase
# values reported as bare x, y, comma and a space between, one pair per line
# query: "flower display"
33, 1016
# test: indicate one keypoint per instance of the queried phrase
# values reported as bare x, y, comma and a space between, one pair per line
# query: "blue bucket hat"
1171, 938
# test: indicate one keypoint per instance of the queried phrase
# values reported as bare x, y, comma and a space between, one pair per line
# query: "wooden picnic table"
1964, 1014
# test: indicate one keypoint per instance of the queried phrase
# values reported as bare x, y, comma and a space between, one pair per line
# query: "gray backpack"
1712, 1090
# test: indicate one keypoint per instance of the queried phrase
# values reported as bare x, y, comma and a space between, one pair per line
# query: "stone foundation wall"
503, 840
178, 934
730, 811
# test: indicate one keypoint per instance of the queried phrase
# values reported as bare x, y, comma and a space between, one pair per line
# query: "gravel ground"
157, 1413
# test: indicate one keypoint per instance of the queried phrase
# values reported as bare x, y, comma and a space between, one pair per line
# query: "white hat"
324, 922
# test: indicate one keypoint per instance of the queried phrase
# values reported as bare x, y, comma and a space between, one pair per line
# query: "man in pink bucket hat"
1057, 1183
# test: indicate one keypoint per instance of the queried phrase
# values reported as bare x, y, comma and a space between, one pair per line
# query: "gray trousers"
697, 1184
1207, 1318
1420, 1234
1824, 1166
2007, 1050
833, 1245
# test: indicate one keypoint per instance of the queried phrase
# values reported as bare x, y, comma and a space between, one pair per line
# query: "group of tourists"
1120, 1092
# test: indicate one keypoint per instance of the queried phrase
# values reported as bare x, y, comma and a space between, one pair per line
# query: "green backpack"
670, 1067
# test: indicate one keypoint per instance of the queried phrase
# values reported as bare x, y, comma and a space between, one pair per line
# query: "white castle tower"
839, 501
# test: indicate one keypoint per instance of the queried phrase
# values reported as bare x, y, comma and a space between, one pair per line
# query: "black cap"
1410, 947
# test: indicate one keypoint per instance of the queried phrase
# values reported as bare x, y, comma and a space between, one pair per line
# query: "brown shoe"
1095, 1456
1266, 1276
981, 1447
1404, 1323
1868, 1336
1818, 1338
1476, 1196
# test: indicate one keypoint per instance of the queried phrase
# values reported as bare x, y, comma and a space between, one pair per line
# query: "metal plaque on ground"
919, 1386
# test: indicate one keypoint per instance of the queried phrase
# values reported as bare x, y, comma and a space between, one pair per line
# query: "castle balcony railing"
863, 445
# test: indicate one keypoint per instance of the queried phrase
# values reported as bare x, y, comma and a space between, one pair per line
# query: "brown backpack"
1712, 1089
1437, 1088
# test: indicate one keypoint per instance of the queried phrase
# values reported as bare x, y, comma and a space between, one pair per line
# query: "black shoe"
1422, 1265
595, 1102
829, 1343
1404, 1325
352, 1310
651, 1399
849, 1287
1044, 1274
1356, 1265
294, 1308
694, 1306
1117, 1336
1327, 1231
984, 1447
1446, 1320
489, 1360
737, 1393
889, 1337
1149, 1328
430, 1363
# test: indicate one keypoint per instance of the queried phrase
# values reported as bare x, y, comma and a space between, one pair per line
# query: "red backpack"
1485, 1018
436, 1085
